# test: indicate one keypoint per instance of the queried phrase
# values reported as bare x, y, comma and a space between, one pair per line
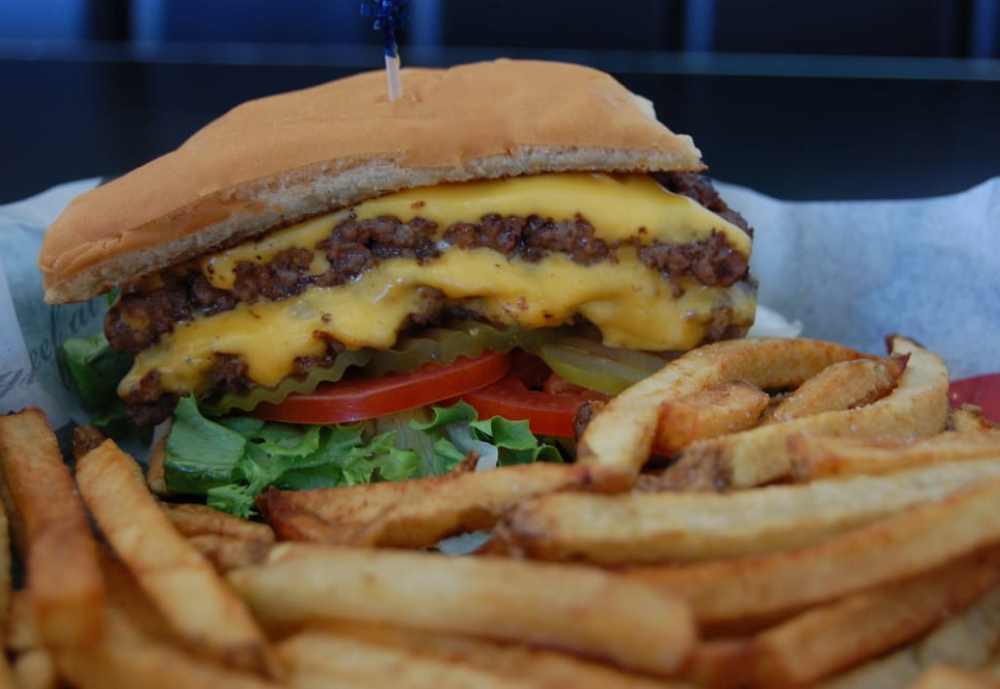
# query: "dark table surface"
795, 129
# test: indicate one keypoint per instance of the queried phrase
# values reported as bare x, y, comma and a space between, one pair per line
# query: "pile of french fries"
811, 517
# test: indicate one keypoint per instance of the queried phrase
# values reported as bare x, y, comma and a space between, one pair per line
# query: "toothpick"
388, 15
392, 77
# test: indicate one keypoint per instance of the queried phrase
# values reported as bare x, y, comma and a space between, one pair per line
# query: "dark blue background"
854, 99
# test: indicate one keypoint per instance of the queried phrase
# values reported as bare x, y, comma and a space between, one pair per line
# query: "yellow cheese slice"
632, 305
618, 206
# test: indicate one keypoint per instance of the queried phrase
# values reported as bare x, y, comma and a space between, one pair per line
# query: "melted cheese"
619, 207
632, 305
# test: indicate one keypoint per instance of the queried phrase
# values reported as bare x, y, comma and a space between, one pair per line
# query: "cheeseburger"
521, 236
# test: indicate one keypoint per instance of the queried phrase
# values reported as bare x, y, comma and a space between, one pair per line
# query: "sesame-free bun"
282, 158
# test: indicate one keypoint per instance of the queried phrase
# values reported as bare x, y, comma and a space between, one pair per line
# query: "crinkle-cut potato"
575, 608
640, 528
917, 407
618, 440
817, 457
913, 541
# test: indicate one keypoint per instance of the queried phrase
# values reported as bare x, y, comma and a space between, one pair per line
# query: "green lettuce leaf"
94, 370
233, 460
200, 453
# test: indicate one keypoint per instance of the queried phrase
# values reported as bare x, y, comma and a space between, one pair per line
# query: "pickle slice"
259, 394
592, 365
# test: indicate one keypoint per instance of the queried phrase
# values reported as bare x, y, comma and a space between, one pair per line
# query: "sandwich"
506, 241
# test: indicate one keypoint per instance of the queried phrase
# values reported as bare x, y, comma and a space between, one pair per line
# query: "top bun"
282, 158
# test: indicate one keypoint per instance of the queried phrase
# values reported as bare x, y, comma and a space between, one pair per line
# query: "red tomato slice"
356, 400
547, 414
983, 391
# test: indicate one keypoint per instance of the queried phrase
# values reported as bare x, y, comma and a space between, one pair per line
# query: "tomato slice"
983, 391
546, 413
356, 400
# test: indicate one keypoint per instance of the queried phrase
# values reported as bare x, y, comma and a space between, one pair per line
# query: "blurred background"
852, 99
916, 28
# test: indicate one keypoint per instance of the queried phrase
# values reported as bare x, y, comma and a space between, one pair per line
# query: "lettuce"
233, 460
94, 369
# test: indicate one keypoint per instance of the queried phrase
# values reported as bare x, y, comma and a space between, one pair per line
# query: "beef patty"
151, 306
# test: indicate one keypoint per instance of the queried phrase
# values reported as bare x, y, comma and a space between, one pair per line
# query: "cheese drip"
619, 207
632, 305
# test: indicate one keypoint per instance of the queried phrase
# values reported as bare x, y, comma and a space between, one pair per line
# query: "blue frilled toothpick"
388, 16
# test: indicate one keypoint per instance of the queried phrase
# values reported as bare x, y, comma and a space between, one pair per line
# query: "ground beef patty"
150, 307
699, 187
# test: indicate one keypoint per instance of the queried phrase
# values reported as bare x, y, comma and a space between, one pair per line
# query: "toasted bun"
283, 158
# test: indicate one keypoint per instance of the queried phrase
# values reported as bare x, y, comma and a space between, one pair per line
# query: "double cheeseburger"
325, 255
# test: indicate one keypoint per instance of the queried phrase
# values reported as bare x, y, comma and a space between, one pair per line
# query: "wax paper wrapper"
849, 271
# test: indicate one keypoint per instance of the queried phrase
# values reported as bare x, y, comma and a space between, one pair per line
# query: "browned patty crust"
151, 307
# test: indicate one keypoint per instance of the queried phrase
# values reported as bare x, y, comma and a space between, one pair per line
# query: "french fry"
532, 665
413, 514
156, 477
843, 385
825, 639
6, 674
85, 439
895, 548
720, 664
815, 457
7, 679
618, 440
917, 407
5, 569
947, 677
715, 411
495, 547
230, 553
21, 633
65, 583
658, 527
179, 580
127, 659
200, 520
140, 649
322, 660
575, 608
319, 658
966, 642
34, 670
293, 523
969, 418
